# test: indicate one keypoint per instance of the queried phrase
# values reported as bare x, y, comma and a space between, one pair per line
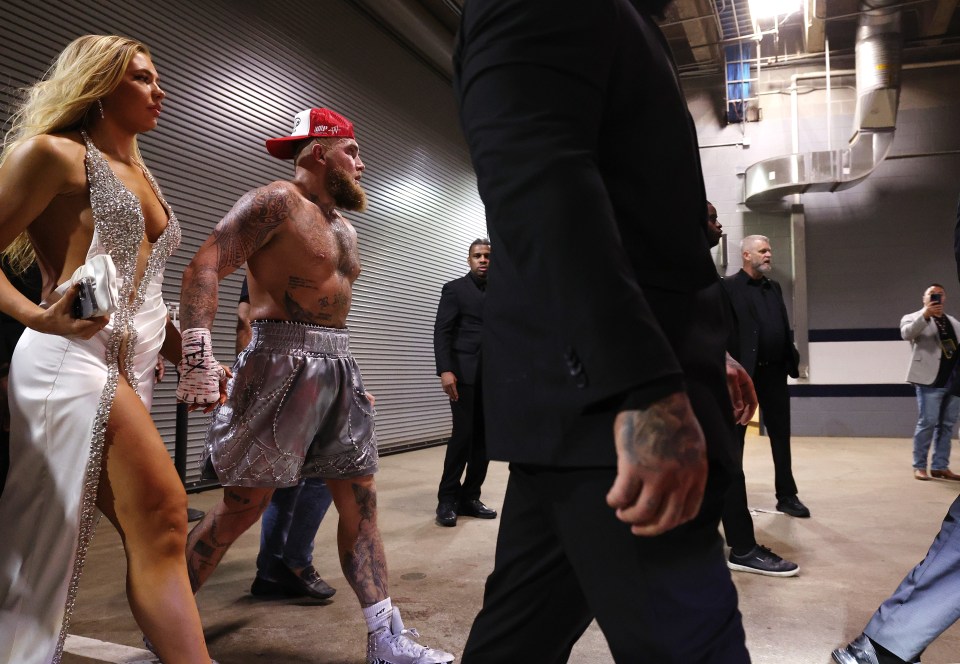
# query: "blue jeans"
290, 524
938, 415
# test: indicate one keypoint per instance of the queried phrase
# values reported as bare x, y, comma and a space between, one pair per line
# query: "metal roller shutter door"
236, 73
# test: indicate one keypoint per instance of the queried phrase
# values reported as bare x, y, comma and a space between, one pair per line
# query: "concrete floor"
871, 523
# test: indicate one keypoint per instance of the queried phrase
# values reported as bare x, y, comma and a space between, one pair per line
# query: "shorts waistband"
293, 337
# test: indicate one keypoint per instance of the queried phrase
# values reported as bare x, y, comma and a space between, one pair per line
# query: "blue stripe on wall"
880, 390
866, 334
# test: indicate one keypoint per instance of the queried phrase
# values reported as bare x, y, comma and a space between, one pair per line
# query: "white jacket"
925, 342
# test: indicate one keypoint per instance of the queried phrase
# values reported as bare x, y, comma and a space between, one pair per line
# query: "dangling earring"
100, 106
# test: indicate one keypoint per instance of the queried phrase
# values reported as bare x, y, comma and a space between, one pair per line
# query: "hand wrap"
200, 373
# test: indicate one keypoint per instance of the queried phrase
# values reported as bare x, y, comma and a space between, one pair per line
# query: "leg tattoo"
210, 539
365, 564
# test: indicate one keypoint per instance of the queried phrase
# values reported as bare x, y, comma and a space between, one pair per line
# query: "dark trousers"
737, 522
289, 525
563, 559
770, 382
465, 449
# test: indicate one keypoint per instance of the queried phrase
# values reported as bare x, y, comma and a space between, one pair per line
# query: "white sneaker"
393, 645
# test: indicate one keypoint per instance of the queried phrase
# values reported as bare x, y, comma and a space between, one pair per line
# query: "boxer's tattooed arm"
248, 225
364, 563
198, 294
240, 234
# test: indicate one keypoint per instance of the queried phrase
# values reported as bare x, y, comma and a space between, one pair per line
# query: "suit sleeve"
733, 322
532, 78
448, 313
912, 325
791, 354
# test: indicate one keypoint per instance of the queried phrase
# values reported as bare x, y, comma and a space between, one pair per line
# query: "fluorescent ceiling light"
761, 9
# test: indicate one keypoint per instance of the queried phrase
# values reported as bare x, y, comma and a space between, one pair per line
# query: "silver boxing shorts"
296, 407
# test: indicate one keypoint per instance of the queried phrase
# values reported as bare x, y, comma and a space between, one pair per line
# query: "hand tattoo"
658, 433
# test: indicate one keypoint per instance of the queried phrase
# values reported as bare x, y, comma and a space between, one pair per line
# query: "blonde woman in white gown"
72, 186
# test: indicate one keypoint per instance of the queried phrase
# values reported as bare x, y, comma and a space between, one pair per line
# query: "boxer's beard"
346, 193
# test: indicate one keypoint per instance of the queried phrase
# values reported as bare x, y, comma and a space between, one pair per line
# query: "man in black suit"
456, 345
765, 349
746, 554
603, 351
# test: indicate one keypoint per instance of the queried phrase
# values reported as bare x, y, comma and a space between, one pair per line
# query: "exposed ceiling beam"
935, 17
699, 23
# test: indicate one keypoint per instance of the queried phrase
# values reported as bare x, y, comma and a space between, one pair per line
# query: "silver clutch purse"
98, 294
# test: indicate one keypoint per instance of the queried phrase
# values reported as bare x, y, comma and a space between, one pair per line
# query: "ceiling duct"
878, 67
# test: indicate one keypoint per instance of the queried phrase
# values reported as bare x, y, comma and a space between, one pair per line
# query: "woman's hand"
58, 318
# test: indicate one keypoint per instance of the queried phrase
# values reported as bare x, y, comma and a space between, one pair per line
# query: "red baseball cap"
310, 123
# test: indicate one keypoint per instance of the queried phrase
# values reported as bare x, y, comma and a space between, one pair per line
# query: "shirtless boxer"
296, 406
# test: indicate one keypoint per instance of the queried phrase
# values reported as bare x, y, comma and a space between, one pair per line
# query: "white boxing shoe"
394, 645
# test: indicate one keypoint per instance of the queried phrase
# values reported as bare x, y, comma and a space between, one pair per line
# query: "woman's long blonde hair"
89, 68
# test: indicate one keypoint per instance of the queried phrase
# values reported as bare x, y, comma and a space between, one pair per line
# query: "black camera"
86, 301
936, 298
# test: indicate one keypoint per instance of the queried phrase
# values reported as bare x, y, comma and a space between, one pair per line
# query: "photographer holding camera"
933, 337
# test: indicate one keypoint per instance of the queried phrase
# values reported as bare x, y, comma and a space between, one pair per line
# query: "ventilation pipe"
878, 95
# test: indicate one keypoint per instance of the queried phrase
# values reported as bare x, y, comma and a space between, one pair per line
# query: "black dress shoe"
446, 515
268, 588
476, 509
307, 583
791, 505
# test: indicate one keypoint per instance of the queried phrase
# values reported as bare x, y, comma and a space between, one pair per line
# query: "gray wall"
236, 73
870, 250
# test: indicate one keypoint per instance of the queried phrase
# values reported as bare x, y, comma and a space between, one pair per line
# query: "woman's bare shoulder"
66, 147
55, 156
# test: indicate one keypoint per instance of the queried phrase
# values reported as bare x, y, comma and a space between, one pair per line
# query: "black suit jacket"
456, 331
587, 163
743, 348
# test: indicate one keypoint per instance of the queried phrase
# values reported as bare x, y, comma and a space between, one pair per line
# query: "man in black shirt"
765, 349
746, 554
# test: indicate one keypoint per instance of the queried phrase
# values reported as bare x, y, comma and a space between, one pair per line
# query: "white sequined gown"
61, 391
